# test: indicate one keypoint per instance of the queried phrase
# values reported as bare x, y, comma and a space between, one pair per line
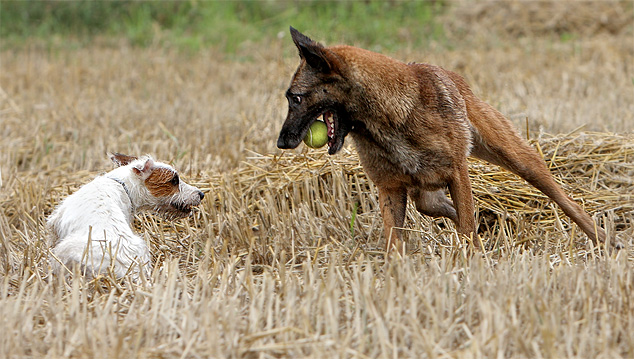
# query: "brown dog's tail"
496, 141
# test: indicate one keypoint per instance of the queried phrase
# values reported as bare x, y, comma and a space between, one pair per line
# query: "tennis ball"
317, 135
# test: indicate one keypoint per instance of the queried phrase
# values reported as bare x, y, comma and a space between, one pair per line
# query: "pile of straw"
596, 169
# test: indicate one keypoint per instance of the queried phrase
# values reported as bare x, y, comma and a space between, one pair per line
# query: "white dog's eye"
175, 180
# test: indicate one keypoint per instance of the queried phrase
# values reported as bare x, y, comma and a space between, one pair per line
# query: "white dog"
91, 228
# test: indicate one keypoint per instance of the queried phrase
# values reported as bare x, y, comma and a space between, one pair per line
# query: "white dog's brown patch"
162, 182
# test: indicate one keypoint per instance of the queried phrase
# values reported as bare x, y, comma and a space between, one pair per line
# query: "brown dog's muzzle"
293, 132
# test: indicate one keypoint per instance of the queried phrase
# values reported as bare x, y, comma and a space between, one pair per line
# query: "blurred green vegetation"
227, 25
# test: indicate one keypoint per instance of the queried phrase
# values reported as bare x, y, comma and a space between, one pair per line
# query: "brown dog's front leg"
460, 191
393, 201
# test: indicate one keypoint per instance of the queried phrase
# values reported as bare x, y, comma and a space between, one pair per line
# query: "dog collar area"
125, 188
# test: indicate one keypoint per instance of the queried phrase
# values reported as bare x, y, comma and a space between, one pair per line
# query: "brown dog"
413, 126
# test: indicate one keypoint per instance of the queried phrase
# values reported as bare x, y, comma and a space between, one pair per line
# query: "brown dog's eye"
297, 99
175, 180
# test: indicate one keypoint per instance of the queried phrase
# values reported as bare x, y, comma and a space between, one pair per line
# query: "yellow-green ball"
317, 135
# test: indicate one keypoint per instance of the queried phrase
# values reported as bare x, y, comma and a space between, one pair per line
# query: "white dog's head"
155, 186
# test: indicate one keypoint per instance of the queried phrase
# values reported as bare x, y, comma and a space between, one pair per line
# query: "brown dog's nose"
288, 140
283, 143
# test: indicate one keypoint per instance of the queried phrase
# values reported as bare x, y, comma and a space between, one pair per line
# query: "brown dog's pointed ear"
315, 54
120, 159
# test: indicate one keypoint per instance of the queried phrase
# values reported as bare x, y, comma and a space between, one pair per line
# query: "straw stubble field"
283, 258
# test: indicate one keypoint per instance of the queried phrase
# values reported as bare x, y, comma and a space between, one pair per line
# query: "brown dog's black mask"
313, 93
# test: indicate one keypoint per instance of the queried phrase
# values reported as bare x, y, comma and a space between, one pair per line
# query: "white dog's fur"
91, 227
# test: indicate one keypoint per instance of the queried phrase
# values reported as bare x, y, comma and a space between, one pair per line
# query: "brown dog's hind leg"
525, 161
433, 203
393, 201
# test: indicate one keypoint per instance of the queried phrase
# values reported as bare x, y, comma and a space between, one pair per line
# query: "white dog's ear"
120, 159
144, 168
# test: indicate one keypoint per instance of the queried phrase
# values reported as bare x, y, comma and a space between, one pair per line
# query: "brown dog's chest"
397, 161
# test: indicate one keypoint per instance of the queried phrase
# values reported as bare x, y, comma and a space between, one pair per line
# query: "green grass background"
227, 25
